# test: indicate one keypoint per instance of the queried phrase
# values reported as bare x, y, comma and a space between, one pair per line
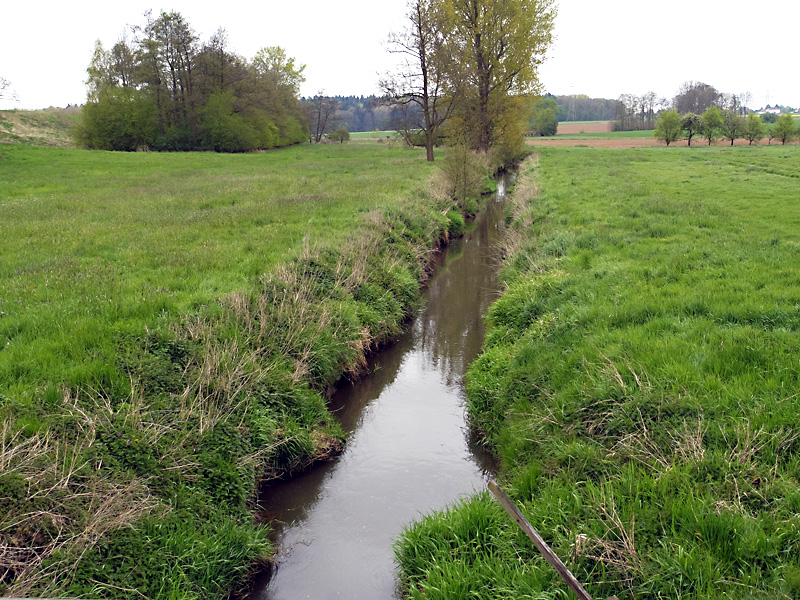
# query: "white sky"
602, 49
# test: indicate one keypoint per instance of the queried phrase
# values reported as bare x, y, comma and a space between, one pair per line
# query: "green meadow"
169, 326
639, 384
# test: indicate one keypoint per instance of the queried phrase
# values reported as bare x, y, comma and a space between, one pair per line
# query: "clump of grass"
637, 381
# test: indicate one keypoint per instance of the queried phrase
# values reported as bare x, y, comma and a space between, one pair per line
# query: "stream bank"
409, 449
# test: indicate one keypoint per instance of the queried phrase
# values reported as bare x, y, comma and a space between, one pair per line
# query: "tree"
696, 97
712, 122
500, 44
320, 111
341, 135
733, 125
692, 125
754, 129
199, 95
5, 86
543, 119
784, 129
668, 128
425, 77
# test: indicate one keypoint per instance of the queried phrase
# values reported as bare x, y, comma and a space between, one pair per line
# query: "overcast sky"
602, 49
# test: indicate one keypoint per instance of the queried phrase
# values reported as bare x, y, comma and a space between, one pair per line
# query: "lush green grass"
361, 135
639, 384
169, 324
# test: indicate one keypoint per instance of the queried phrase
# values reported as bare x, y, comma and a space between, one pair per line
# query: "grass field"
639, 384
169, 324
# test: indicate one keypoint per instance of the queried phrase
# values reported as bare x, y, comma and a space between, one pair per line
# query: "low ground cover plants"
639, 384
169, 326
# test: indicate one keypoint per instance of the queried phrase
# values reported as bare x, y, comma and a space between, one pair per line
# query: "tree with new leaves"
543, 119
733, 125
668, 128
754, 129
425, 75
341, 135
500, 44
692, 125
784, 129
712, 122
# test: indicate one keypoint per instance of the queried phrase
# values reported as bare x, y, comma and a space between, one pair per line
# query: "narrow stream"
408, 450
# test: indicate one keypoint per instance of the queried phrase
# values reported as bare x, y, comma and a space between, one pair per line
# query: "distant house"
769, 110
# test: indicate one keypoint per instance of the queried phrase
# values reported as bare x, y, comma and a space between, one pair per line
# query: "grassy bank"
51, 127
169, 324
639, 384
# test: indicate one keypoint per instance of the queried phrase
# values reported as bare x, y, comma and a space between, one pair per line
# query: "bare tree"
422, 77
321, 112
5, 91
695, 97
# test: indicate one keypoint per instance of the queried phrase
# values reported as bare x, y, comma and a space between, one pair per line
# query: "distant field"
372, 135
585, 127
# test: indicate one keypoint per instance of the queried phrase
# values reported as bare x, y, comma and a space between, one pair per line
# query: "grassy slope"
640, 384
168, 326
48, 127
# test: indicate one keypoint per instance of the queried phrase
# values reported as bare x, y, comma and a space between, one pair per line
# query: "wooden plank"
537, 540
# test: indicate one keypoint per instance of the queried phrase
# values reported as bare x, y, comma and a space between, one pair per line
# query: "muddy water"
409, 450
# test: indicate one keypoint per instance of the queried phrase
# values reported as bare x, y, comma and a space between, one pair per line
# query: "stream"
409, 450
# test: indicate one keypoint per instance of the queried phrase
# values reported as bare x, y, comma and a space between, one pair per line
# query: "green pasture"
169, 325
639, 384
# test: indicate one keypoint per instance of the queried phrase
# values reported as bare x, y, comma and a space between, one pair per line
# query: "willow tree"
500, 44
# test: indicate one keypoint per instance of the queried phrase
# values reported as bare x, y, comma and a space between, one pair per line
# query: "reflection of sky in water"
408, 452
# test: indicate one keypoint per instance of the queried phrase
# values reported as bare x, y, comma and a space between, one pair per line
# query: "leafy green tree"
341, 135
543, 120
712, 123
733, 126
754, 129
224, 130
119, 118
501, 44
784, 129
692, 125
668, 127
201, 95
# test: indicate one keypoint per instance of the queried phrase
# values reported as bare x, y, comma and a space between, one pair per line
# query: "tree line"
166, 89
715, 123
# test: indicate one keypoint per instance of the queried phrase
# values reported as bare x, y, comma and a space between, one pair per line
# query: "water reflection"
409, 450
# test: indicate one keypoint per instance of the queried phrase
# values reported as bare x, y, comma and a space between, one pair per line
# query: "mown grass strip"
639, 383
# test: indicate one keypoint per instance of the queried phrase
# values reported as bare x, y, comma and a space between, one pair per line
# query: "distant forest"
370, 113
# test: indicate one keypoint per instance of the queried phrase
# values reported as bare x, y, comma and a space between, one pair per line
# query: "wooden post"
537, 540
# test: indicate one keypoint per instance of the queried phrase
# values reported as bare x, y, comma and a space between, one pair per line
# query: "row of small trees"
715, 123
167, 90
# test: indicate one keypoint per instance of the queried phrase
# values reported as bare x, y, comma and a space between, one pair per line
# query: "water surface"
409, 451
